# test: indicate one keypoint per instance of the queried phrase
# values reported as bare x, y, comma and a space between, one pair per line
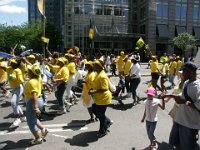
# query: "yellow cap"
100, 63
122, 53
36, 70
31, 56
90, 63
62, 59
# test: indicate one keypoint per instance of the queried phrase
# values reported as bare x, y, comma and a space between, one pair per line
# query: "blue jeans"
151, 126
184, 137
60, 93
31, 116
134, 84
16, 94
99, 111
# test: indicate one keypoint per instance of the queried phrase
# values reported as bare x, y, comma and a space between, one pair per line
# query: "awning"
180, 29
163, 31
197, 32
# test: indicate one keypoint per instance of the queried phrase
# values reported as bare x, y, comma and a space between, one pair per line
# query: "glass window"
98, 10
178, 12
88, 9
159, 10
183, 12
126, 13
107, 10
196, 13
117, 11
143, 13
165, 10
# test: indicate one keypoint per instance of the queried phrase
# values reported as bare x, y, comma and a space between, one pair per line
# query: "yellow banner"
40, 4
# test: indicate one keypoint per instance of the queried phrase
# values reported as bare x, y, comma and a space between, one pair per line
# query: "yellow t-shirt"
24, 70
3, 73
154, 67
172, 67
164, 68
15, 78
127, 67
63, 74
89, 78
72, 68
33, 85
120, 63
179, 65
101, 82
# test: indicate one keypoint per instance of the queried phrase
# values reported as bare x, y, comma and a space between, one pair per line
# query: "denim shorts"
184, 137
31, 116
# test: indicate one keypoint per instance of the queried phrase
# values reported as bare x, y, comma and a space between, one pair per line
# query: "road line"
61, 136
60, 125
50, 130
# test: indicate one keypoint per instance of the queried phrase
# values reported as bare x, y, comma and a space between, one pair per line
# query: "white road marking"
61, 136
50, 130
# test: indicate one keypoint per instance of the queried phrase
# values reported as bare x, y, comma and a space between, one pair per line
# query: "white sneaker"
44, 132
68, 103
23, 119
62, 111
17, 122
36, 141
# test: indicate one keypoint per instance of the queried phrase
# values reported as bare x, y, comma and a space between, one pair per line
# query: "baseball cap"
189, 65
151, 91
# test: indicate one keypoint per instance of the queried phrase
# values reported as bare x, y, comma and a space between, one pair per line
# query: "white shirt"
151, 107
186, 115
135, 70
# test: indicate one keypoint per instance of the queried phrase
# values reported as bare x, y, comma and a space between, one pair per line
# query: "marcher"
87, 99
186, 125
34, 104
150, 114
135, 79
164, 74
102, 97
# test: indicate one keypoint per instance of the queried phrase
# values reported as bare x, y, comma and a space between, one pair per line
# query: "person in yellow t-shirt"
71, 82
34, 104
164, 69
16, 80
155, 73
102, 97
179, 66
3, 77
127, 67
61, 78
120, 62
88, 80
172, 70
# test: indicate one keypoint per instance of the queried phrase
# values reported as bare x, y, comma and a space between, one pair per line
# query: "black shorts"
155, 75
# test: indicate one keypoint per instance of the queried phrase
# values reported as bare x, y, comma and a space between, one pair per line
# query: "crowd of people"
32, 76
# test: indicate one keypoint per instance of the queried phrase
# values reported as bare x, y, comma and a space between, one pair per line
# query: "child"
150, 114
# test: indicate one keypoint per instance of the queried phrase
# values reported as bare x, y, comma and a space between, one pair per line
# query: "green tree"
185, 41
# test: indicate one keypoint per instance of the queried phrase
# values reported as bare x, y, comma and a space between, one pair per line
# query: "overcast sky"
13, 12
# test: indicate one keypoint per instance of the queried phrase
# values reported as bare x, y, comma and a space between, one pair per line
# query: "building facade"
119, 23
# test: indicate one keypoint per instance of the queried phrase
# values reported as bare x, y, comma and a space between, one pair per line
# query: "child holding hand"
150, 114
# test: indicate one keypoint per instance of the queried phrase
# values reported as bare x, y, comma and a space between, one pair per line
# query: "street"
70, 131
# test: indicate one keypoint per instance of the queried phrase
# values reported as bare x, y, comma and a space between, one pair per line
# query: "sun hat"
100, 63
151, 91
35, 69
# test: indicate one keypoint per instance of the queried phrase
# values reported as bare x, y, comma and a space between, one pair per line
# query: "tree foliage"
185, 41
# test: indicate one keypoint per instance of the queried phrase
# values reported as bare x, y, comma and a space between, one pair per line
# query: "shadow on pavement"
21, 144
123, 107
75, 125
83, 139
164, 146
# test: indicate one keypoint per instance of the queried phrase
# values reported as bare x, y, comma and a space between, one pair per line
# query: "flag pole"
43, 28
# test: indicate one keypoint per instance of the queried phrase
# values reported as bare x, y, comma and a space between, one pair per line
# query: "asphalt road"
70, 131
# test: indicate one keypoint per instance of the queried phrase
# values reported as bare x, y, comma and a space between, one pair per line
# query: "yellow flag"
40, 4
91, 33
140, 42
